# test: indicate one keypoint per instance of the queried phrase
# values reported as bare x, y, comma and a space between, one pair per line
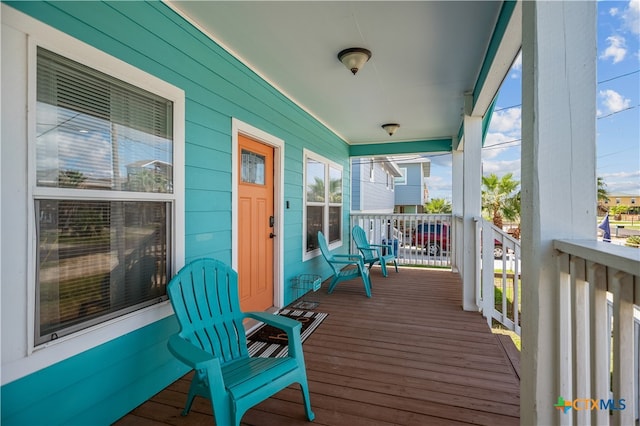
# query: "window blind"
97, 132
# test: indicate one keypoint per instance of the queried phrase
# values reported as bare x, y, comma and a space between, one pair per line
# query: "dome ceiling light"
354, 58
390, 128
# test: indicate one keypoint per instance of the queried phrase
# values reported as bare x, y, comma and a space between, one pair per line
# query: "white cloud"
507, 121
622, 175
442, 160
497, 143
613, 101
613, 11
439, 187
631, 17
517, 63
622, 182
616, 50
501, 168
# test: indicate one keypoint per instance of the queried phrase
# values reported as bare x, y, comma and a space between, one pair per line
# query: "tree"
511, 212
495, 195
438, 205
603, 195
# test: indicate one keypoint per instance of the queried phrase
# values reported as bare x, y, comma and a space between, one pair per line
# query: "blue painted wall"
102, 384
372, 196
410, 194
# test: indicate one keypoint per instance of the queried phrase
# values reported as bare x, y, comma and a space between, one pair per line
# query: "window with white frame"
323, 202
401, 180
104, 196
372, 171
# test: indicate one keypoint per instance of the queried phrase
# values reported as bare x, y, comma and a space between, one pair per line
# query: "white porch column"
471, 194
456, 182
558, 181
456, 207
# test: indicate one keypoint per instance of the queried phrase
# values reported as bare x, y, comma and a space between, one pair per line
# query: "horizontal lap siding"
103, 381
102, 384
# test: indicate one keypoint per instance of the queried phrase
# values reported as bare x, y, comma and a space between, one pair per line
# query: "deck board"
407, 356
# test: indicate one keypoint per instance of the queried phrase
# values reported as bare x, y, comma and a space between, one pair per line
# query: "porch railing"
599, 326
499, 297
417, 239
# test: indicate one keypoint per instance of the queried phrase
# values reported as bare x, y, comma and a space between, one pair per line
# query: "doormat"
271, 342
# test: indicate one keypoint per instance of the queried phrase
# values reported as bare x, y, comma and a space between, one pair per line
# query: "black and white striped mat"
261, 344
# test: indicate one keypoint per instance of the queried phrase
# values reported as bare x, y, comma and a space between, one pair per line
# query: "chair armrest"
188, 353
355, 257
288, 325
278, 321
381, 245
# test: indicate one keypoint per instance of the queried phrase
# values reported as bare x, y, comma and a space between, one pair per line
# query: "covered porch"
407, 356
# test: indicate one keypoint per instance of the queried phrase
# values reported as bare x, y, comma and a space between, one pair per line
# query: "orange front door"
255, 224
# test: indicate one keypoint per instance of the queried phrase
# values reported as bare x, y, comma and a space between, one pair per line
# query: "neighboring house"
631, 202
373, 184
411, 189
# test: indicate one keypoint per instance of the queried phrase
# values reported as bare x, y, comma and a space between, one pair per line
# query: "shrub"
633, 241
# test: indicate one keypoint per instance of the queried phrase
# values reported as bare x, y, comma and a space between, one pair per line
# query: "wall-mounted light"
354, 58
390, 128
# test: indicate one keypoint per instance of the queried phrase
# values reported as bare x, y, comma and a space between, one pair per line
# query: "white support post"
580, 336
558, 181
565, 373
623, 351
471, 194
456, 207
488, 285
601, 341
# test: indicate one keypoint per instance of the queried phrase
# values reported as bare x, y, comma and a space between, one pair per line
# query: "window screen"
100, 254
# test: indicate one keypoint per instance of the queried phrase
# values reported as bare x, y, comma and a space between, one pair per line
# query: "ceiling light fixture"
390, 128
354, 58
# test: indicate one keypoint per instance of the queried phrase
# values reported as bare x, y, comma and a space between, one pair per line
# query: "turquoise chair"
338, 263
373, 253
212, 341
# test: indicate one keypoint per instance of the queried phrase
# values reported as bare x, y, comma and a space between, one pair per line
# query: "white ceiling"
425, 56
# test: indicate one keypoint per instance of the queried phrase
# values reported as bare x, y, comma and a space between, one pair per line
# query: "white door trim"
240, 127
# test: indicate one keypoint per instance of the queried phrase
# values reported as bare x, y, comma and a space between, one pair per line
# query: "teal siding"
104, 383
503, 20
92, 388
394, 148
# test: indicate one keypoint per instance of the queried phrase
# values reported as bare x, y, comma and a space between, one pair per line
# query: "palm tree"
603, 195
438, 205
315, 190
495, 193
511, 212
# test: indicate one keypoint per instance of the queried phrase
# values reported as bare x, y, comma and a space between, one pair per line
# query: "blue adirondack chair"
204, 296
373, 253
338, 263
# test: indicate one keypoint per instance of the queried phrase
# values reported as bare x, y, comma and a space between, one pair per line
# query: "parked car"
497, 249
432, 236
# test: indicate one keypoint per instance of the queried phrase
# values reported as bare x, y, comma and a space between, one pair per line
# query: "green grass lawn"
498, 294
628, 224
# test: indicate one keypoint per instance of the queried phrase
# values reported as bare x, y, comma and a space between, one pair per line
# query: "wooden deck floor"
407, 356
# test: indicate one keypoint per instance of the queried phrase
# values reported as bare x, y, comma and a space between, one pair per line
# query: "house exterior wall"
356, 184
375, 195
61, 384
410, 194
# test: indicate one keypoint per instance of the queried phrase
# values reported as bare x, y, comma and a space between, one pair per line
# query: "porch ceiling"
425, 56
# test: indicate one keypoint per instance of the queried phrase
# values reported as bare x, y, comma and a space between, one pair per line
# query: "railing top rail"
501, 232
400, 214
622, 258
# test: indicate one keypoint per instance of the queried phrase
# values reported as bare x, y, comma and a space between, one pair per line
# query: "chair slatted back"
360, 238
204, 295
324, 249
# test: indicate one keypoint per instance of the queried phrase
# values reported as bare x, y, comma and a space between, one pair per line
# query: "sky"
617, 103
